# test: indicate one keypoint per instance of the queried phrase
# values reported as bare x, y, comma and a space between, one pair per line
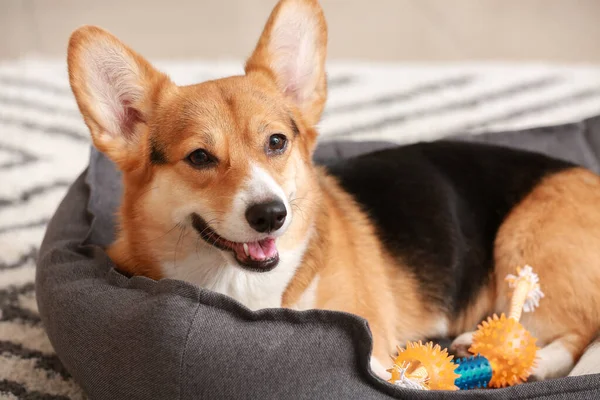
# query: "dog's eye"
200, 158
277, 143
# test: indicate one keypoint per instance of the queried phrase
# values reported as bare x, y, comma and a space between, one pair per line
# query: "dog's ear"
292, 51
115, 89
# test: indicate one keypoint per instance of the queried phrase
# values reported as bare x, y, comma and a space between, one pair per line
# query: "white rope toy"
409, 382
527, 278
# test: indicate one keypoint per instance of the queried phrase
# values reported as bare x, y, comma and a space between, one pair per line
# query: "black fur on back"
438, 206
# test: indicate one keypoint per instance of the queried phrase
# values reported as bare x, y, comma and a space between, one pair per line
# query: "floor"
377, 30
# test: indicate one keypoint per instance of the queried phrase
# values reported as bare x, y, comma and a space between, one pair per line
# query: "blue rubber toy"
475, 372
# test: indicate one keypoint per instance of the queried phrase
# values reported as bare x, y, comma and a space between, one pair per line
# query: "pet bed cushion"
135, 338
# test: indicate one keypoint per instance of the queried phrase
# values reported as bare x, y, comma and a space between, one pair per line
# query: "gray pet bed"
140, 339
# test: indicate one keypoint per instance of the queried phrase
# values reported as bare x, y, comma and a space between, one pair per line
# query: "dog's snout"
266, 217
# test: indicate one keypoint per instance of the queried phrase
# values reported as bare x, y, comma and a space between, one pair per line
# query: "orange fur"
356, 275
556, 230
477, 311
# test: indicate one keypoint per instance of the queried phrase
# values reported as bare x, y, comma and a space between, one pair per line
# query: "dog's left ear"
292, 50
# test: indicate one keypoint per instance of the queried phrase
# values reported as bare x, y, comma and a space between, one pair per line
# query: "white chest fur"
216, 271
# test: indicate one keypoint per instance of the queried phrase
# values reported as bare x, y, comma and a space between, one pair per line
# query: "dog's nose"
266, 217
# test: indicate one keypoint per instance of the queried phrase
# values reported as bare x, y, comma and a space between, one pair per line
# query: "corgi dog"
219, 189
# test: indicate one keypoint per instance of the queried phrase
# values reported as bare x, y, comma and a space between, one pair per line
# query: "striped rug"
44, 145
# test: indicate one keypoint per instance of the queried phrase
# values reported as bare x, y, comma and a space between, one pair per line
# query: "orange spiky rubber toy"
424, 366
501, 344
509, 347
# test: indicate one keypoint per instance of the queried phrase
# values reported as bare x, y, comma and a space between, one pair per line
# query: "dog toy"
423, 366
474, 372
505, 350
508, 346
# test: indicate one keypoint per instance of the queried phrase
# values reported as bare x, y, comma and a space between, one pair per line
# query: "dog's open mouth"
261, 256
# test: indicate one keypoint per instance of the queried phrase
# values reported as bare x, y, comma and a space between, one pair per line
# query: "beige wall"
554, 30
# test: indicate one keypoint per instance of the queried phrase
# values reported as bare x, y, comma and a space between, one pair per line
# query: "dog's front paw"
460, 346
539, 373
379, 370
535, 377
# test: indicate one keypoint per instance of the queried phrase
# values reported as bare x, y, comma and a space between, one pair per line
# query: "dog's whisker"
163, 235
182, 228
196, 247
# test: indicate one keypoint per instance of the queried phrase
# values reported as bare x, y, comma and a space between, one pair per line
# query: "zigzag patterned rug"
44, 145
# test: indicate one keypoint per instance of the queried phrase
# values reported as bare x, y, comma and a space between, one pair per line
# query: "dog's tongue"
257, 251
262, 250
